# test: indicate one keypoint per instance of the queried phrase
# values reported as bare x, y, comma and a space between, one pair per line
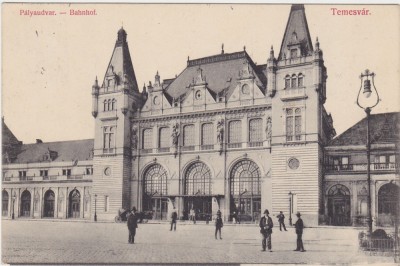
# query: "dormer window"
293, 53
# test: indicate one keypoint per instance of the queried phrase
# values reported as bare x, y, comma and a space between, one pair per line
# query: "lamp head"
367, 88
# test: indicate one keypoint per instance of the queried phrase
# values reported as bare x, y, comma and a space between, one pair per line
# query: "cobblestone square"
88, 242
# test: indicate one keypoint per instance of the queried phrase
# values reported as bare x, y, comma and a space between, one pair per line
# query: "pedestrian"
174, 216
218, 224
281, 219
266, 225
191, 214
132, 225
299, 231
234, 218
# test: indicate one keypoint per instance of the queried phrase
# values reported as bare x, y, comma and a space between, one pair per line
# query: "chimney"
39, 141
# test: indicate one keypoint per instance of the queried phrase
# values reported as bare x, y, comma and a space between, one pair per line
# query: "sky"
49, 63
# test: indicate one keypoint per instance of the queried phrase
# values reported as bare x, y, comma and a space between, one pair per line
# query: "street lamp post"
95, 207
366, 102
290, 207
13, 200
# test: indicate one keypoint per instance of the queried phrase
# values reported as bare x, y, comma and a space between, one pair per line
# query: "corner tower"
114, 104
301, 126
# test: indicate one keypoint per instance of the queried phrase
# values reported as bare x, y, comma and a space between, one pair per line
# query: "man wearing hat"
281, 219
299, 231
132, 225
218, 224
266, 225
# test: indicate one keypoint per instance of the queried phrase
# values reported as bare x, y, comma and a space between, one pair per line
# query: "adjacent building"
225, 134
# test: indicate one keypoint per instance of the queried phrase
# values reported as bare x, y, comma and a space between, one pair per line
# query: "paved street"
84, 242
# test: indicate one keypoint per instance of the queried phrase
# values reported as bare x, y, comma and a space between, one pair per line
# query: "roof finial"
222, 49
271, 53
317, 45
244, 48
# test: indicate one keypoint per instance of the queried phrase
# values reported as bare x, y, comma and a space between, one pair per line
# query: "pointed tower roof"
297, 31
120, 68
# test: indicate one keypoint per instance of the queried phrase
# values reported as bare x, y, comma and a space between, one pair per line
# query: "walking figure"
218, 224
132, 225
299, 231
174, 216
281, 219
266, 225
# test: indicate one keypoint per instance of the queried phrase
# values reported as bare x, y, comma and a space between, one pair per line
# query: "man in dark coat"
218, 224
281, 219
174, 216
299, 231
132, 225
266, 225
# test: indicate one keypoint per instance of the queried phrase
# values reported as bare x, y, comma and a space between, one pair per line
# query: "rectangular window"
44, 172
89, 171
108, 139
106, 203
66, 172
188, 135
22, 173
293, 124
207, 136
235, 134
147, 138
255, 132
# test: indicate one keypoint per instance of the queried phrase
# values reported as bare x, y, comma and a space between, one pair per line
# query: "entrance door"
5, 203
74, 204
202, 207
248, 209
25, 203
160, 208
339, 210
49, 204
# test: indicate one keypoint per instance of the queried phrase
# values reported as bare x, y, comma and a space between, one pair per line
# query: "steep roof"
120, 64
66, 151
297, 31
384, 128
219, 71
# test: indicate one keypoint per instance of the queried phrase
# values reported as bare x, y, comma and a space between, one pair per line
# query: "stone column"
353, 203
32, 201
56, 202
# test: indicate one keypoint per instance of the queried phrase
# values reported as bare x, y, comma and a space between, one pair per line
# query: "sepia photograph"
200, 134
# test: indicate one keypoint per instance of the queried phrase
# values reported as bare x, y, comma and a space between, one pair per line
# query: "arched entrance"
388, 204
26, 204
74, 204
155, 191
198, 191
49, 198
246, 190
4, 205
339, 205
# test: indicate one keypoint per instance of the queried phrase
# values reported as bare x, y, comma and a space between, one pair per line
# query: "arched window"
235, 134
108, 105
147, 138
339, 190
113, 102
207, 135
188, 135
255, 132
294, 81
164, 138
198, 180
300, 82
49, 200
287, 82
25, 203
339, 205
74, 204
245, 178
155, 181
105, 105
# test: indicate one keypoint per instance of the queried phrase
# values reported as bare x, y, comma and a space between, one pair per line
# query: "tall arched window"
287, 82
113, 103
164, 139
388, 199
105, 105
245, 178
300, 82
108, 104
294, 81
245, 186
147, 139
235, 134
155, 180
155, 191
255, 132
207, 136
26, 203
188, 137
293, 124
198, 179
